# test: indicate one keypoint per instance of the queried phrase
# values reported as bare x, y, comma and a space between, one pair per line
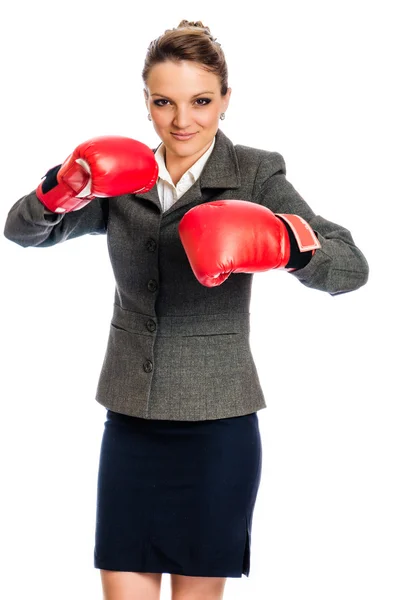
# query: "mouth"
183, 136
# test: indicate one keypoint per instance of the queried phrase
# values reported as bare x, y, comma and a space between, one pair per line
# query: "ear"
146, 96
226, 99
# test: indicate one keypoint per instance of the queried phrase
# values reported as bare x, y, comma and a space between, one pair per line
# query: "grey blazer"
178, 350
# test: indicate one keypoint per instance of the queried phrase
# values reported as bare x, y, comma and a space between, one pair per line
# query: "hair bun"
185, 23
197, 24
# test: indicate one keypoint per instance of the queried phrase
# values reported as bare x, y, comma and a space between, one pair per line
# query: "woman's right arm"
29, 223
73, 198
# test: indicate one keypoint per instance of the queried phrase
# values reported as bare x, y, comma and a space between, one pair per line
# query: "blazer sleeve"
29, 223
338, 266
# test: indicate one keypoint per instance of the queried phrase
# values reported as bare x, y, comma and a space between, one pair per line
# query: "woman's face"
185, 103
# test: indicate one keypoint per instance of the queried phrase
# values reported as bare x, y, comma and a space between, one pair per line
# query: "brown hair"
193, 41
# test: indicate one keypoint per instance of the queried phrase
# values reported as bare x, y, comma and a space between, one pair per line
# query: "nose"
182, 118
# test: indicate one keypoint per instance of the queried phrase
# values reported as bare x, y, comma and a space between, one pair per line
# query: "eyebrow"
195, 96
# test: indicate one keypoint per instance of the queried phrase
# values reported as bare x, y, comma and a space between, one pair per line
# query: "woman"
180, 461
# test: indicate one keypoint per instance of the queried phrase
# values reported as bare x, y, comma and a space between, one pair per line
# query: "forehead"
183, 79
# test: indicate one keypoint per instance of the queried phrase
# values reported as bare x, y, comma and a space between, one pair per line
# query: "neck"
177, 165
176, 168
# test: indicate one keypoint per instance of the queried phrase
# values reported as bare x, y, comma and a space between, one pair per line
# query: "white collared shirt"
167, 191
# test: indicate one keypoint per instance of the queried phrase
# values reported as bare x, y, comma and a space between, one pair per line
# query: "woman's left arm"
338, 266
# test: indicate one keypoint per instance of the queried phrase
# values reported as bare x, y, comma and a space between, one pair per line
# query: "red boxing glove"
101, 167
236, 236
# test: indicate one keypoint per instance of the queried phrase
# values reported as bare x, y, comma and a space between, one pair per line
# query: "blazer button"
152, 285
151, 325
148, 366
151, 245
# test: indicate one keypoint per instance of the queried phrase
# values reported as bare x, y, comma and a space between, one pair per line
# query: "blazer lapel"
151, 196
221, 171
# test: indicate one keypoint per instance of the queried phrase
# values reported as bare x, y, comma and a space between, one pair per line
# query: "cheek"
209, 117
161, 117
216, 110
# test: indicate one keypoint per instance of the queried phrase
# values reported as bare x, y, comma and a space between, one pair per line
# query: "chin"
185, 149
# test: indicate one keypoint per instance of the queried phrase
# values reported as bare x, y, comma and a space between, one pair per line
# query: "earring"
149, 117
222, 116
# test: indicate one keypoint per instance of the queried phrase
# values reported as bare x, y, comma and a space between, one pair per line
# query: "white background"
314, 81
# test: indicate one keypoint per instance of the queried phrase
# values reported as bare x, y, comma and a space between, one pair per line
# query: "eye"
199, 101
203, 101
160, 102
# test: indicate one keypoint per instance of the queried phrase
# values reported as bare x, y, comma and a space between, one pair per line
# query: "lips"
183, 136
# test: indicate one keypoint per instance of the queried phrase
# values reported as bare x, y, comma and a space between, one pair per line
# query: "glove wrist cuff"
303, 242
304, 235
59, 196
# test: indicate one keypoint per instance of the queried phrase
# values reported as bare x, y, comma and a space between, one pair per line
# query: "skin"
183, 97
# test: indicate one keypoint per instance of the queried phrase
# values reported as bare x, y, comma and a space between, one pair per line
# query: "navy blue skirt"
177, 496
